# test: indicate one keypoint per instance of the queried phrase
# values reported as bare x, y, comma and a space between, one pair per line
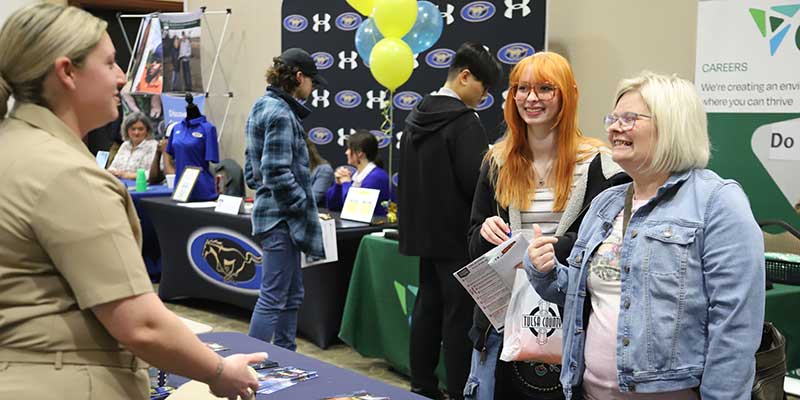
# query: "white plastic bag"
532, 326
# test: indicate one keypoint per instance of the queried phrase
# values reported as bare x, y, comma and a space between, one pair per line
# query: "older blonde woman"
663, 291
137, 150
77, 308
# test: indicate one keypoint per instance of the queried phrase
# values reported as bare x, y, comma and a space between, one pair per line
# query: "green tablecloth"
383, 287
783, 302
377, 313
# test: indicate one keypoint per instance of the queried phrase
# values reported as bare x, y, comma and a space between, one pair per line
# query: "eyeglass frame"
622, 123
533, 86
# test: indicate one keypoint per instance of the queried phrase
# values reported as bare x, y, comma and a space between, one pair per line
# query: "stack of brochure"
274, 379
489, 279
360, 395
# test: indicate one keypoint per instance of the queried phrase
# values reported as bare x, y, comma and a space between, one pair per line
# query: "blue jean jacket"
692, 289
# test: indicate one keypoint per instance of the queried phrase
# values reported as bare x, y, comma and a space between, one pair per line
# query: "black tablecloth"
184, 235
151, 253
331, 381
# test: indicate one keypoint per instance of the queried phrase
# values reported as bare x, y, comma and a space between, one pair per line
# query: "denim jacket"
692, 289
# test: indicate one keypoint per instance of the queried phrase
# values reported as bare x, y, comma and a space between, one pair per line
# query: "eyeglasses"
627, 120
544, 91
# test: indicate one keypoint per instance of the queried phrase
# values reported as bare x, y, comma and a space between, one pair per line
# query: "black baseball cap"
299, 58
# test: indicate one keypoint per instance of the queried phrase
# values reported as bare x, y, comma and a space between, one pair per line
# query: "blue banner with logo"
512, 29
175, 107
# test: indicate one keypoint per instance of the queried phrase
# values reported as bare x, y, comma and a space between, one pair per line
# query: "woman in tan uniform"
76, 306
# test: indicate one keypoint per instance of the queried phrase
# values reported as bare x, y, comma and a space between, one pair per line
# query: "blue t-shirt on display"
194, 143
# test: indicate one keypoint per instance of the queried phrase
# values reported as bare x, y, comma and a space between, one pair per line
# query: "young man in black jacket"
440, 158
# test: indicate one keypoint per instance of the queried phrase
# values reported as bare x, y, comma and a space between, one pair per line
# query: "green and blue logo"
776, 17
406, 295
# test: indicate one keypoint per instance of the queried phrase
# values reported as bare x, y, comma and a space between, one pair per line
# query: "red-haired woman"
543, 171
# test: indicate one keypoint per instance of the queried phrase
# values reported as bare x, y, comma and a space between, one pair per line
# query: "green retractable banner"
748, 74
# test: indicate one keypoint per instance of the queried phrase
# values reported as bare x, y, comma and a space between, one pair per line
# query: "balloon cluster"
393, 33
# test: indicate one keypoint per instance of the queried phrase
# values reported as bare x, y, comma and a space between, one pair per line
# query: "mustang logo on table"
226, 259
230, 261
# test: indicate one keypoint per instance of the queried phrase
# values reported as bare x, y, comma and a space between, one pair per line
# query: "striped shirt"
540, 211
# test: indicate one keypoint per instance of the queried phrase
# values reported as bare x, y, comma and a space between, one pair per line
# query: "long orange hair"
515, 184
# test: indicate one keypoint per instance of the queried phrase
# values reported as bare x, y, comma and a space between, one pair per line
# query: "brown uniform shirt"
69, 237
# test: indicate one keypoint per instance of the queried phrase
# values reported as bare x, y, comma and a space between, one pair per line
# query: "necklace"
541, 178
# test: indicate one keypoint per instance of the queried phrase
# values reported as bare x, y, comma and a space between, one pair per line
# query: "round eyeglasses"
544, 91
627, 120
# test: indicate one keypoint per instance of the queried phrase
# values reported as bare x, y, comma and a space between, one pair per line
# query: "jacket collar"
196, 121
611, 209
300, 110
44, 119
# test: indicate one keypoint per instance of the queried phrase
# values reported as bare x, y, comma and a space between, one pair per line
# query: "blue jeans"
480, 384
281, 294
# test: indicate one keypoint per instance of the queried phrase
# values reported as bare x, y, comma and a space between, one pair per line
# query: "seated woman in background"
321, 173
362, 150
138, 149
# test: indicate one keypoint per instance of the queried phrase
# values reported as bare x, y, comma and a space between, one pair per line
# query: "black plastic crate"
783, 272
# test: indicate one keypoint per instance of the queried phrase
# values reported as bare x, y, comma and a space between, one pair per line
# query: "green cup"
141, 180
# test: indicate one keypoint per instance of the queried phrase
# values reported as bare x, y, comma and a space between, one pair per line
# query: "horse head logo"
440, 58
406, 100
348, 21
320, 135
322, 60
295, 23
514, 52
478, 11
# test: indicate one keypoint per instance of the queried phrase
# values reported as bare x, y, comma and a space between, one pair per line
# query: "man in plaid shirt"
285, 219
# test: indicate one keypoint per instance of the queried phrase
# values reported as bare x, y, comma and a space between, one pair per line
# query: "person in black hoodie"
440, 157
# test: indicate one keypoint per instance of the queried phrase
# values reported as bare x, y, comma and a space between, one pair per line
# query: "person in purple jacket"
362, 152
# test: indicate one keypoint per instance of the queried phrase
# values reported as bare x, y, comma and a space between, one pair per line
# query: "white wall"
607, 40
8, 8
604, 40
252, 40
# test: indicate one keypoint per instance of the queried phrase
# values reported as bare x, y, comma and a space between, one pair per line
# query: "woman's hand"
342, 175
541, 251
495, 230
162, 146
236, 379
122, 174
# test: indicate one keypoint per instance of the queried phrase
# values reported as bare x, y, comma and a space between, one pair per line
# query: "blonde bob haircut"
31, 40
681, 127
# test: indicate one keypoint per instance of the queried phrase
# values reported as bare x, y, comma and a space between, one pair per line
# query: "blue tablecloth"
151, 252
332, 380
152, 190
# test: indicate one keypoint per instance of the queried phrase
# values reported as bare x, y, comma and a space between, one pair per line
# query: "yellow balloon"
362, 6
391, 62
395, 18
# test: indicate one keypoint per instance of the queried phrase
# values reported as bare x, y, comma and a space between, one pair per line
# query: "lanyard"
626, 216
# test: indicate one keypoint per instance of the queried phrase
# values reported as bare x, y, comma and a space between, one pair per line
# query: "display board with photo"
181, 44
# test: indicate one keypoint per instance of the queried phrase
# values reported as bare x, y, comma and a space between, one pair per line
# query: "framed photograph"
360, 204
185, 185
